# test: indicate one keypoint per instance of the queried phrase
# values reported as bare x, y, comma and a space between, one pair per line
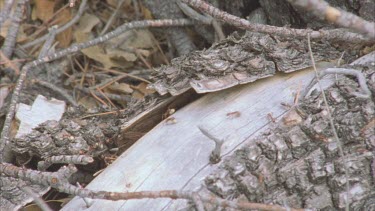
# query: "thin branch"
59, 181
339, 35
8, 63
193, 14
67, 159
366, 93
81, 9
204, 19
215, 154
323, 10
4, 14
122, 98
136, 9
126, 74
11, 38
87, 202
49, 41
57, 89
113, 16
338, 142
73, 49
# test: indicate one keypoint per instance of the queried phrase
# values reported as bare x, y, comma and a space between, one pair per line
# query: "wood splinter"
215, 154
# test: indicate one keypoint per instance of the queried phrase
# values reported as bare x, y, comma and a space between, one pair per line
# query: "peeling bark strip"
239, 60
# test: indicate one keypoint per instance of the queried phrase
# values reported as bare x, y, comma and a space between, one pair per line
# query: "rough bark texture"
297, 163
93, 135
237, 60
71, 136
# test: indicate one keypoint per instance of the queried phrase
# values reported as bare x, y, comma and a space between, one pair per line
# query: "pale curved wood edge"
175, 156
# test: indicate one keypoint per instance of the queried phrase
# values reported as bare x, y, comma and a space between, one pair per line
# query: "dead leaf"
139, 39
65, 37
120, 88
141, 90
87, 22
88, 102
94, 52
118, 54
110, 58
138, 95
146, 13
113, 3
44, 9
142, 87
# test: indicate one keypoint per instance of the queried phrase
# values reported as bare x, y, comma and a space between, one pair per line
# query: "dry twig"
204, 19
323, 10
10, 39
215, 154
57, 89
5, 11
332, 35
121, 98
113, 16
59, 181
366, 93
339, 144
49, 41
68, 159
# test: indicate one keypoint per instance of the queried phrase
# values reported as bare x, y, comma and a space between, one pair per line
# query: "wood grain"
175, 156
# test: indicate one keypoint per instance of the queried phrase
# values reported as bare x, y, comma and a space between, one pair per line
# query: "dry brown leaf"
94, 52
142, 87
118, 54
139, 39
145, 53
44, 9
88, 102
87, 22
97, 53
120, 88
138, 95
141, 90
113, 3
65, 37
111, 58
146, 13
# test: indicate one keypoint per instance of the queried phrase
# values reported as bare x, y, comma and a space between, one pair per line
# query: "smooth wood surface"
175, 156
